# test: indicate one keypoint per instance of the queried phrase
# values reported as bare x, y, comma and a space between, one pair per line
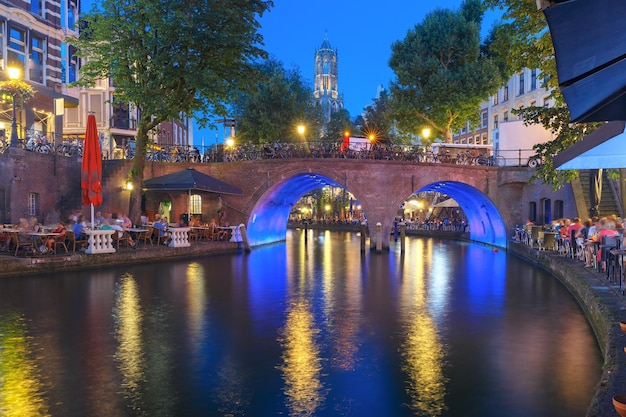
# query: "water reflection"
422, 350
20, 385
129, 354
301, 366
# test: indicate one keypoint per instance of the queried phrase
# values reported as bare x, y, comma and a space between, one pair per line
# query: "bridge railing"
280, 150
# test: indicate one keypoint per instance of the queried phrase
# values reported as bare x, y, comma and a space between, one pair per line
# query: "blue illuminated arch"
485, 222
268, 220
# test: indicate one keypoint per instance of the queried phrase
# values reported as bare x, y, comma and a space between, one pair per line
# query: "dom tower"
326, 78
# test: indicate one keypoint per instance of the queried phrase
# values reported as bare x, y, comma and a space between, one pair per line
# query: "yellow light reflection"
128, 321
20, 386
196, 306
301, 366
422, 351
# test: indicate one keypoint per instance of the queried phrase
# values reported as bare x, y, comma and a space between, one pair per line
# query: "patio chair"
146, 236
61, 243
117, 240
70, 238
26, 246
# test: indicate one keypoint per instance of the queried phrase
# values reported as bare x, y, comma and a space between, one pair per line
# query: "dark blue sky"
361, 31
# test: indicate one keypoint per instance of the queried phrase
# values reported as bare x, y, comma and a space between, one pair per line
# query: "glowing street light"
301, 130
230, 142
426, 133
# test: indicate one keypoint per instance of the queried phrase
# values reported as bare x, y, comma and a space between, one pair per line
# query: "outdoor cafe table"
39, 239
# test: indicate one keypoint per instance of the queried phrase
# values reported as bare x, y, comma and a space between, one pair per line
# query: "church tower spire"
325, 89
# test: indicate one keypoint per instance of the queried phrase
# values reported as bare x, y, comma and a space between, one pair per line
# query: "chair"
59, 242
70, 238
146, 236
15, 241
117, 240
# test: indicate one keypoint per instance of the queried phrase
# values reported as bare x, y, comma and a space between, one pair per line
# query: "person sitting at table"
79, 228
195, 221
162, 225
60, 228
113, 225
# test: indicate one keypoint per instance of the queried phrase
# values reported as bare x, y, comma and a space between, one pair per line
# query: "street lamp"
14, 74
301, 129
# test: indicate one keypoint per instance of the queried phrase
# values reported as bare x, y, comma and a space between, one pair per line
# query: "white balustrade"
100, 241
180, 237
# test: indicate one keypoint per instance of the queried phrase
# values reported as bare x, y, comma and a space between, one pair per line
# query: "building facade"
326, 81
33, 40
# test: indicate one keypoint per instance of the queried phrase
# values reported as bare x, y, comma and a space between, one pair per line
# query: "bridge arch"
267, 222
486, 224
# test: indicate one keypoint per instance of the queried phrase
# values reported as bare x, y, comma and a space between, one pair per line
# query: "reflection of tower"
325, 89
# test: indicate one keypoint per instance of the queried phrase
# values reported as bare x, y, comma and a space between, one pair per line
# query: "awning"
602, 148
447, 203
189, 180
590, 57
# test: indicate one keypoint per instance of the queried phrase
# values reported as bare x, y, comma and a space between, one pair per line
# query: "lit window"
32, 204
195, 204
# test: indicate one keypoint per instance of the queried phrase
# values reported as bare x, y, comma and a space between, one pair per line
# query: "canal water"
309, 328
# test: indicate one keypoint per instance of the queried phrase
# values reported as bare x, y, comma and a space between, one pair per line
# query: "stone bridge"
491, 197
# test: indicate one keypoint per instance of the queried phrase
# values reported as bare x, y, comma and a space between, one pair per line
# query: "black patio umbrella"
190, 180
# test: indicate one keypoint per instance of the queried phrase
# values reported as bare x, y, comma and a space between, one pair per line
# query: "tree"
280, 103
524, 41
378, 118
338, 125
170, 59
442, 74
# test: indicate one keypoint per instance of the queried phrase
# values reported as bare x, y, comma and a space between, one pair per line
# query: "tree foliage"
339, 124
524, 41
170, 59
280, 102
442, 73
378, 117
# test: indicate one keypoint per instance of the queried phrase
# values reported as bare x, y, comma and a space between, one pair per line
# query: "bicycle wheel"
499, 161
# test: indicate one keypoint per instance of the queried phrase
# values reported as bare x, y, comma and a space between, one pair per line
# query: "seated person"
60, 228
162, 225
79, 228
113, 225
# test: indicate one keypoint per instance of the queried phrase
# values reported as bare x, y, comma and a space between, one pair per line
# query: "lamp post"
14, 74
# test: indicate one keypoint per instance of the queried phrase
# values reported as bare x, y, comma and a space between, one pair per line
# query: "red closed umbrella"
91, 173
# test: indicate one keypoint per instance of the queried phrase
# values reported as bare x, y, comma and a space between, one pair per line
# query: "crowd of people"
586, 239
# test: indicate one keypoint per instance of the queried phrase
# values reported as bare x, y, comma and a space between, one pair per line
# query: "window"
17, 49
505, 116
495, 99
532, 211
32, 203
37, 53
195, 204
521, 83
495, 121
533, 79
1, 43
69, 63
483, 123
71, 15
546, 102
36, 7
533, 103
485, 141
505, 93
558, 209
